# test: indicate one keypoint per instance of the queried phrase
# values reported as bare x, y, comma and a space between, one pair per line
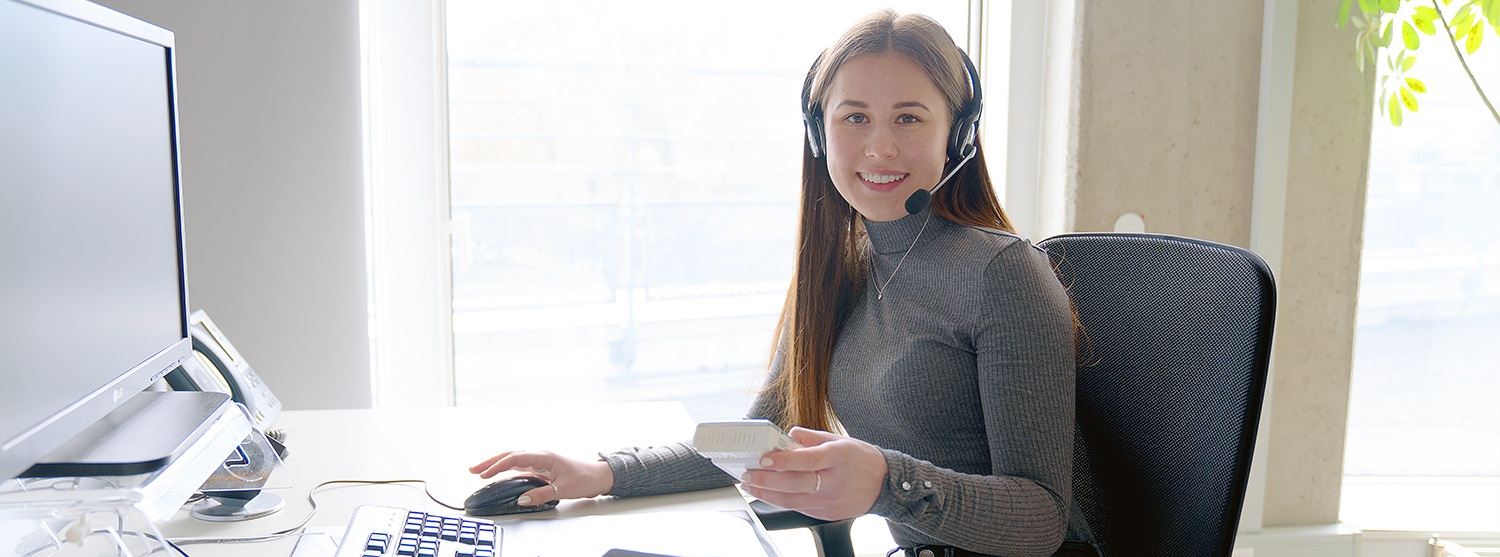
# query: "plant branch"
1454, 42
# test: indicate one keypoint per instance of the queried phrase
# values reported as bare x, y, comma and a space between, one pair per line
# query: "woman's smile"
882, 181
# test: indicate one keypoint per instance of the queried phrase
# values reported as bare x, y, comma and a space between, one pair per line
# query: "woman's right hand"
571, 478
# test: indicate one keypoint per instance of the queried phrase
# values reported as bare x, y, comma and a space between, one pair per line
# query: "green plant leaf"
1368, 6
1423, 20
1408, 63
1409, 36
1383, 96
1342, 17
1491, 9
1395, 111
1386, 35
1416, 85
1465, 13
1461, 30
1462, 23
1475, 37
1383, 79
1408, 99
1390, 5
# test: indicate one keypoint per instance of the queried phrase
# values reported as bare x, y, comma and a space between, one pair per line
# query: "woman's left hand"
831, 478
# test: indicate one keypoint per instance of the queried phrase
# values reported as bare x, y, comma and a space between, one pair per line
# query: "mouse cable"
297, 531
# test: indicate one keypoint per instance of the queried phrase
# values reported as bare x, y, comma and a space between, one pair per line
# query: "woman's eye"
855, 118
908, 119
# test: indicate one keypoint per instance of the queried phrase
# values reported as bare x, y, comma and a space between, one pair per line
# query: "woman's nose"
882, 145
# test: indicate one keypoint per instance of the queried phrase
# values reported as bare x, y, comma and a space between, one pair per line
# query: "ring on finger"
555, 494
819, 485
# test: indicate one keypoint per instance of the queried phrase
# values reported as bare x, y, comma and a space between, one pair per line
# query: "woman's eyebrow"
899, 105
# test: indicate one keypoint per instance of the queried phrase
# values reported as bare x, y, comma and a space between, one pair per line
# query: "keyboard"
379, 531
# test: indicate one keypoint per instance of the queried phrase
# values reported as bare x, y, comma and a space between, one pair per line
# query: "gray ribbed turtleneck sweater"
962, 373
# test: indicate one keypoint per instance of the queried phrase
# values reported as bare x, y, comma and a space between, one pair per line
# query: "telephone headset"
217, 366
961, 138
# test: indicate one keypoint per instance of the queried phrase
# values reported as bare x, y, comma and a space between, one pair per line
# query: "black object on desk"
629, 553
499, 498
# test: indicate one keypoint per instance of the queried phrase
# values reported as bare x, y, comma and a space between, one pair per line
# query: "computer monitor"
93, 292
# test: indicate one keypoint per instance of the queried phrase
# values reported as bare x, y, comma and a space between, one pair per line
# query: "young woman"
935, 337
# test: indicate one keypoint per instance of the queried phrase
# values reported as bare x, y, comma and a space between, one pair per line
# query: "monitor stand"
143, 435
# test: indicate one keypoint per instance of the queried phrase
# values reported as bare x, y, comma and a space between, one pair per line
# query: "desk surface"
438, 445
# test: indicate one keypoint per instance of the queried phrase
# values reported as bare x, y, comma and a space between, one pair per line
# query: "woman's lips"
882, 181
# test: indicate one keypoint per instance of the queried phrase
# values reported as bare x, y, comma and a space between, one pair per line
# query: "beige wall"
1325, 208
1167, 116
1167, 129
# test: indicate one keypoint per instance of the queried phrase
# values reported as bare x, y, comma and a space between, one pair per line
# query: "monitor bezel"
34, 443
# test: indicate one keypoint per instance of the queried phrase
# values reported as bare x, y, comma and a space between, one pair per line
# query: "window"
1423, 447
623, 182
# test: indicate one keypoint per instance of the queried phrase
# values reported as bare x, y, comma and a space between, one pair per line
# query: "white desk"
440, 446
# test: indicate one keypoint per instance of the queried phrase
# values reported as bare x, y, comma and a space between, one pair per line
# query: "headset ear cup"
813, 121
812, 114
965, 132
961, 139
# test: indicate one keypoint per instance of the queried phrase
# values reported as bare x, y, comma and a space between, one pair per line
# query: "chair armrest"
831, 536
777, 518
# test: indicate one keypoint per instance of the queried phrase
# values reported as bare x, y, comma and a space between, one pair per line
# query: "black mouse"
500, 497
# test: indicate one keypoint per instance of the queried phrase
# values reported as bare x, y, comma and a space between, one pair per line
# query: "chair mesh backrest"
1172, 371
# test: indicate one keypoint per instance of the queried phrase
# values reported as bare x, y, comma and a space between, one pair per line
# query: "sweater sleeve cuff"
910, 489
670, 468
625, 465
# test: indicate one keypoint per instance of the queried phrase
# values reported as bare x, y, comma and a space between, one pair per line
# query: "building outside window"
623, 187
1423, 446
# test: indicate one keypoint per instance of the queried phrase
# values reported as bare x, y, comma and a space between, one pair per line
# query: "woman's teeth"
881, 178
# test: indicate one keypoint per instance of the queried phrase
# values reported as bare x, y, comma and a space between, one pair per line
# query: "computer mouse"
500, 497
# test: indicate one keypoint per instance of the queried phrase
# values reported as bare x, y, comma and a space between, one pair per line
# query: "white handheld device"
736, 446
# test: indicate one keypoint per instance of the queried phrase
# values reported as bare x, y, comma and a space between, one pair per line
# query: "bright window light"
623, 186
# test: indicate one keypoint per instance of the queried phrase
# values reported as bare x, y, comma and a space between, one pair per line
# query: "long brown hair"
832, 253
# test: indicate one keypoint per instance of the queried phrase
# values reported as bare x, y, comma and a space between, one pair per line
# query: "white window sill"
1447, 505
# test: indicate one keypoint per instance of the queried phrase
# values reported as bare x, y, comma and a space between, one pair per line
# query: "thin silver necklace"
879, 289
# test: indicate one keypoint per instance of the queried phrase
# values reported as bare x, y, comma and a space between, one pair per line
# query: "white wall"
272, 170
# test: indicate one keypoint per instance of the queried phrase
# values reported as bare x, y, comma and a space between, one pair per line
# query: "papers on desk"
680, 534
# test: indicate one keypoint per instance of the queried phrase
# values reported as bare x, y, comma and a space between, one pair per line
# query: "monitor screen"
93, 300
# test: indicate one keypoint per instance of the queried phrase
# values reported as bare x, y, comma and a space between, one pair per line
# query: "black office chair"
1172, 369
